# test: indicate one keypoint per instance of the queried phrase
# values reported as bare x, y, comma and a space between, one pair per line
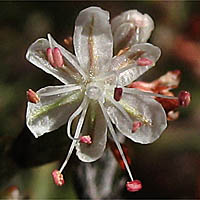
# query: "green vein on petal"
71, 98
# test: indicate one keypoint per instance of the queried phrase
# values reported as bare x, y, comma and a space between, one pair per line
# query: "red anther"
144, 62
134, 186
58, 178
32, 96
58, 58
118, 93
184, 98
86, 139
136, 126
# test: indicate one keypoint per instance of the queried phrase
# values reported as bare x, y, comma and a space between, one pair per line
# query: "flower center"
94, 90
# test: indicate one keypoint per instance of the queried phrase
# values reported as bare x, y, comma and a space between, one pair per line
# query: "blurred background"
168, 168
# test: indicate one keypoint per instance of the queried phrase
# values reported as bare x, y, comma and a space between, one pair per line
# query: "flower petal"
126, 64
93, 40
139, 108
36, 54
56, 104
95, 126
131, 27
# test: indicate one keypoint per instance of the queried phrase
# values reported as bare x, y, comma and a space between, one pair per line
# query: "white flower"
94, 97
131, 27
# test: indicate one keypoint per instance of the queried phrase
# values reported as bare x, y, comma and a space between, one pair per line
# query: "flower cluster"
94, 95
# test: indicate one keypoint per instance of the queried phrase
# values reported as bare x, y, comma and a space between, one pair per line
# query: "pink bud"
184, 98
58, 178
86, 139
118, 93
144, 62
32, 96
58, 58
134, 186
136, 126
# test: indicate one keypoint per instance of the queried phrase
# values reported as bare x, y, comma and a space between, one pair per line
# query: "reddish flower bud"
118, 93
86, 139
32, 96
136, 126
184, 98
134, 186
58, 178
144, 62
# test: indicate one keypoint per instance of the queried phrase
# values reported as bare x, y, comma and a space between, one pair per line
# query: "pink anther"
58, 178
136, 126
55, 57
32, 96
184, 98
144, 62
134, 186
118, 93
86, 139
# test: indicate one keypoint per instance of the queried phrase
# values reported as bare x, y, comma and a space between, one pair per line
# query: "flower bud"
134, 186
184, 98
32, 96
58, 178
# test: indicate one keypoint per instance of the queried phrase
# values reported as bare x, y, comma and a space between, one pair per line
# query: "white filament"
77, 135
73, 116
139, 92
68, 88
116, 140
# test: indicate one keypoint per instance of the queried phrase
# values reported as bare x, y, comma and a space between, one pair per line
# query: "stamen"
144, 62
136, 126
134, 186
73, 116
58, 177
112, 131
86, 139
32, 96
77, 133
184, 98
118, 93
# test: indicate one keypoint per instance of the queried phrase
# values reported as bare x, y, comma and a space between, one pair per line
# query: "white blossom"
90, 77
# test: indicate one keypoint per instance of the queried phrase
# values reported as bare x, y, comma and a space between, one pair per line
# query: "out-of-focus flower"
131, 27
188, 51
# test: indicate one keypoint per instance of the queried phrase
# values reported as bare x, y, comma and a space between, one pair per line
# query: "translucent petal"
126, 63
140, 108
95, 126
131, 27
36, 54
53, 109
93, 40
70, 60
